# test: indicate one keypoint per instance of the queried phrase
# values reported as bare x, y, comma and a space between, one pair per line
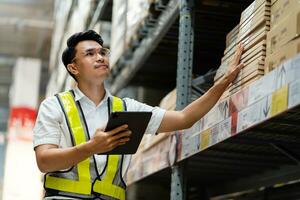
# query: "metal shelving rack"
183, 86
261, 155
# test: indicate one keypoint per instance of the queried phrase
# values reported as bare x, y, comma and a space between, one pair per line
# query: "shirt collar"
79, 95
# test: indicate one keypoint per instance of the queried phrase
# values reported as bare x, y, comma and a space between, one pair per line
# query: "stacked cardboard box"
282, 8
252, 32
231, 39
283, 39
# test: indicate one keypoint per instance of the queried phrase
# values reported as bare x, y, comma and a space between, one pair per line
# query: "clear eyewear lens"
105, 52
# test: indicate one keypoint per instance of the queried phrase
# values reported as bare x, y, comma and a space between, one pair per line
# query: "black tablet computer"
137, 122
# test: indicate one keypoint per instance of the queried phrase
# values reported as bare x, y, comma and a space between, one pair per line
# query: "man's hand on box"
235, 65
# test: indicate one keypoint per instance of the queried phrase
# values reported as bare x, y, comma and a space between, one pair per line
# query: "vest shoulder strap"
116, 104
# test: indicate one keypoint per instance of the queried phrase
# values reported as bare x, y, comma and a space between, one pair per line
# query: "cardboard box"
251, 40
238, 101
253, 27
232, 35
250, 69
258, 49
242, 83
256, 53
245, 84
262, 17
248, 52
263, 9
241, 88
285, 31
281, 9
256, 64
284, 53
252, 8
258, 57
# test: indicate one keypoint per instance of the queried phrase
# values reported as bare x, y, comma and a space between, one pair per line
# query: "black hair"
69, 53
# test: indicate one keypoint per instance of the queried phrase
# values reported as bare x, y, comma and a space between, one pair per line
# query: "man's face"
90, 61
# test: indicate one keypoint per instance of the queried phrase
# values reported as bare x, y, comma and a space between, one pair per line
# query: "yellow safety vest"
83, 180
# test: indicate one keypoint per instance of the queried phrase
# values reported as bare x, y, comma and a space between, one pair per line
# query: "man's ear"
72, 68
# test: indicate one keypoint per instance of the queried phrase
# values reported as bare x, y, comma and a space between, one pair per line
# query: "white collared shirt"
51, 127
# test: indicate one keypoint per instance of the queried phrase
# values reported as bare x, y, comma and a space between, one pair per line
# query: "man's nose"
100, 57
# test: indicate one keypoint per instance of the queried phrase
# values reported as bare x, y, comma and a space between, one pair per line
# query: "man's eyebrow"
90, 49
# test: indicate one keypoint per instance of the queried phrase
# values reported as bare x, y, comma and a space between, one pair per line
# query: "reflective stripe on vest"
83, 186
105, 186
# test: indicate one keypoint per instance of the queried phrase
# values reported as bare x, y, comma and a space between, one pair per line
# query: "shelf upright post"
184, 81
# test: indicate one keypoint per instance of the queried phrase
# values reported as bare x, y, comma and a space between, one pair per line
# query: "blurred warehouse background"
166, 53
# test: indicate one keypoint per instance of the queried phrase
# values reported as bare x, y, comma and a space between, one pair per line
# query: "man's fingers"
123, 141
238, 54
241, 49
121, 135
240, 66
118, 129
119, 142
117, 137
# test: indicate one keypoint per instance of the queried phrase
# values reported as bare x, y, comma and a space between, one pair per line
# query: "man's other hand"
235, 65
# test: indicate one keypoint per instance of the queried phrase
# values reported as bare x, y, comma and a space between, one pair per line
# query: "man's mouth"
101, 66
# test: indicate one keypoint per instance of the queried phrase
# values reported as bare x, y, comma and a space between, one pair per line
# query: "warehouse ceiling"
25, 31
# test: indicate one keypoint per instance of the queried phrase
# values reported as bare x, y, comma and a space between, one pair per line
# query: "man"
69, 131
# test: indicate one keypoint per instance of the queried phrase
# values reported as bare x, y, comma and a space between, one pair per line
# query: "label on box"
256, 91
210, 119
218, 113
201, 124
281, 76
250, 115
294, 93
221, 131
234, 117
262, 87
205, 139
190, 140
265, 110
223, 109
279, 100
293, 69
254, 114
239, 100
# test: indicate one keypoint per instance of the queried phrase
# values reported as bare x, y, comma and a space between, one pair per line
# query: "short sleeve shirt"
51, 126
